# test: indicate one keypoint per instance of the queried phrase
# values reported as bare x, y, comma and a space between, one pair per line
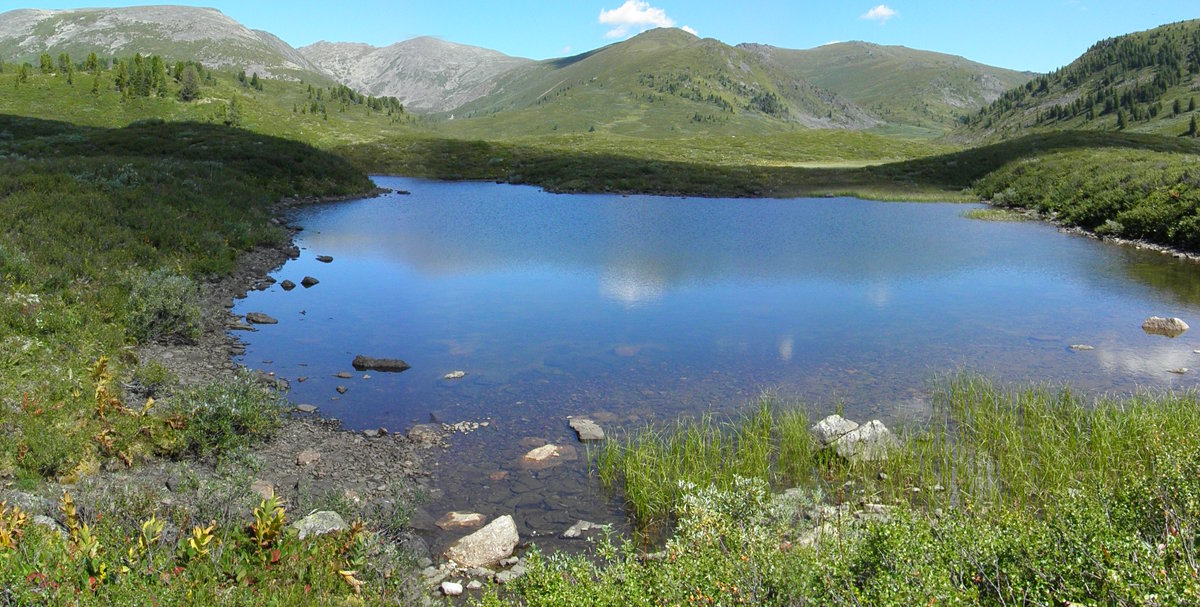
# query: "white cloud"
881, 13
688, 29
566, 50
634, 14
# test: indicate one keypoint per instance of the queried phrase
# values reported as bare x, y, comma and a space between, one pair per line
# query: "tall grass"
983, 445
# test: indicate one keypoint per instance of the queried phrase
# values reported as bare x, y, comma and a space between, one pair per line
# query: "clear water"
639, 308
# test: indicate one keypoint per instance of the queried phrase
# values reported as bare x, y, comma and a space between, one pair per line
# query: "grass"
1006, 496
995, 214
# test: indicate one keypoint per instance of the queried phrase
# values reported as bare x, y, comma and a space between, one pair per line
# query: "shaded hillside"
897, 85
173, 32
1141, 82
427, 74
662, 82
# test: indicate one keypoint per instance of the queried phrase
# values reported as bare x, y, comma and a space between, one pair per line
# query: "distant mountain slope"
174, 32
664, 81
898, 85
426, 74
1141, 82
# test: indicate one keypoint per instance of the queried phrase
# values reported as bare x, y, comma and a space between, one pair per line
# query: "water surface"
634, 309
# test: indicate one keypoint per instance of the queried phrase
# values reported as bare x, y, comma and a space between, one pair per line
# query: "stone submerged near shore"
1168, 327
386, 365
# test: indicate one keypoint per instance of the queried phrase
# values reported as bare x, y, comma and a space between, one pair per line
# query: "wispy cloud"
566, 50
689, 30
881, 13
636, 15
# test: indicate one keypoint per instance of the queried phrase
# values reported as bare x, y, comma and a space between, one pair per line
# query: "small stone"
308, 457
368, 363
344, 375
548, 456
302, 378
586, 429
452, 588
510, 561
1082, 347
474, 585
259, 318
580, 528
51, 524
371, 433
287, 285
455, 375
306, 408
1178, 371
341, 389
309, 281
460, 520
320, 523
324, 258
263, 489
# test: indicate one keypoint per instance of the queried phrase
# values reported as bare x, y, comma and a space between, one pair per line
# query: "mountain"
895, 84
661, 82
1141, 82
426, 74
173, 32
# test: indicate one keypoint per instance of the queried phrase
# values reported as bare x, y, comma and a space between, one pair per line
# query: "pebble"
452, 588
306, 408
474, 585
344, 375
307, 457
455, 375
341, 389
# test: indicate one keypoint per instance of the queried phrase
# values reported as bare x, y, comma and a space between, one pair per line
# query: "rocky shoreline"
1078, 231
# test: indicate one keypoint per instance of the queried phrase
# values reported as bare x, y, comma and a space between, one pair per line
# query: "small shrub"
154, 377
162, 306
226, 415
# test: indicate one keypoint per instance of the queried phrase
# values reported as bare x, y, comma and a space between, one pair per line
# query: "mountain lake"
634, 310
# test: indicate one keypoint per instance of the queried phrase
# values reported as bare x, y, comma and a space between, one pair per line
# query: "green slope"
1137, 77
900, 86
664, 82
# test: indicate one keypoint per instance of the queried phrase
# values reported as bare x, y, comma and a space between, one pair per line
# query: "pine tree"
1, 66
1176, 108
96, 84
189, 84
92, 64
1192, 104
1121, 119
64, 63
254, 83
1193, 130
47, 63
70, 75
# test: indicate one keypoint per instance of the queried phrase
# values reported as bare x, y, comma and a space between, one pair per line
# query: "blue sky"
1037, 35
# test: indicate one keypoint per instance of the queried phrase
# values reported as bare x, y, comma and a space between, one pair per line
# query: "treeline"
136, 76
345, 97
1109, 76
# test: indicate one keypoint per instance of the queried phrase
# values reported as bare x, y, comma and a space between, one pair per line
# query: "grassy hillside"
900, 86
664, 82
281, 108
1145, 82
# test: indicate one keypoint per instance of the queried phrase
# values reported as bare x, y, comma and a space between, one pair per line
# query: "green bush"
162, 305
226, 415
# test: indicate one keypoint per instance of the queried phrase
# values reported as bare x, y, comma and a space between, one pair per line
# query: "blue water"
646, 308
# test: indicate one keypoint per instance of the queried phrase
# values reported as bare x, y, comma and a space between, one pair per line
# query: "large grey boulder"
487, 546
867, 443
320, 523
1170, 327
831, 428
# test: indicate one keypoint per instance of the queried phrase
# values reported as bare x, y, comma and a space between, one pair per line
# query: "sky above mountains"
1035, 35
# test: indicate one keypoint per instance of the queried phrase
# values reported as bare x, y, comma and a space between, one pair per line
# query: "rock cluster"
866, 443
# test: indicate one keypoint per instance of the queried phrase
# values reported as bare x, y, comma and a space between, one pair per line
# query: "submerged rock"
460, 520
1170, 327
309, 281
580, 528
391, 365
287, 285
548, 456
324, 258
832, 428
586, 429
1082, 347
455, 375
867, 443
320, 523
486, 546
259, 318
